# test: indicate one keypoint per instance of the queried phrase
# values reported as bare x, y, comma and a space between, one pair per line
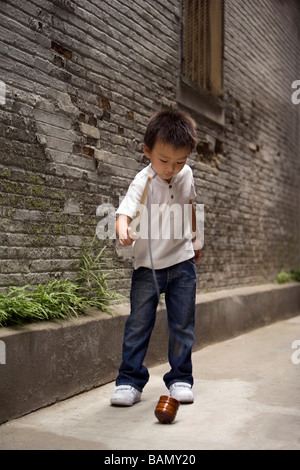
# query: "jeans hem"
130, 384
179, 380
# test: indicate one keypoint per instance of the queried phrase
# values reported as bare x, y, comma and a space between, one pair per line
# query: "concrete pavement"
247, 393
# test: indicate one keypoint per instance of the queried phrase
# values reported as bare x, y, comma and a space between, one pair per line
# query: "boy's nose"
171, 168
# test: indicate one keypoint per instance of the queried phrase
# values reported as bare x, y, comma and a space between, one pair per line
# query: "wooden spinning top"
166, 409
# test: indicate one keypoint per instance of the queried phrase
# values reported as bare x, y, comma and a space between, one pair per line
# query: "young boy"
170, 136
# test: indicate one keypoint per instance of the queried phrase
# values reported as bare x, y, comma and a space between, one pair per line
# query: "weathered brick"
91, 131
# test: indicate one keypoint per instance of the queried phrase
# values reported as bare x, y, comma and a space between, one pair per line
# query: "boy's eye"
177, 163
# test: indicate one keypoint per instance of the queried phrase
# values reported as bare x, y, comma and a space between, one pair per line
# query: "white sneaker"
125, 395
182, 391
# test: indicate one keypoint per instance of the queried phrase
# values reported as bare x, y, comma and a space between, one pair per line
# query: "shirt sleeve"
131, 201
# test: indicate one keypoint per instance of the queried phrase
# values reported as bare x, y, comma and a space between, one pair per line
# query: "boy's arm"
198, 252
137, 198
122, 225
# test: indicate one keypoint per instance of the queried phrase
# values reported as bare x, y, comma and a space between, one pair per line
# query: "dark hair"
172, 127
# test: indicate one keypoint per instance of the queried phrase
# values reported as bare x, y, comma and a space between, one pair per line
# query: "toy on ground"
166, 409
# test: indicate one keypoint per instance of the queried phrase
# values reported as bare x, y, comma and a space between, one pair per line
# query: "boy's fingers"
125, 241
131, 233
198, 255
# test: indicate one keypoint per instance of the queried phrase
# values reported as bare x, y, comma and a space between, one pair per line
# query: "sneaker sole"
183, 400
186, 401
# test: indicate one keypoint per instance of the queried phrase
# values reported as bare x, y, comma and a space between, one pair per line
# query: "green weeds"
59, 299
54, 300
283, 276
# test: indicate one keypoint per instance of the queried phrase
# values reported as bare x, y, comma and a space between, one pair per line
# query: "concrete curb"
51, 361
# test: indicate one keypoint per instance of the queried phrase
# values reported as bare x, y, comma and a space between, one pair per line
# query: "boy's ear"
146, 150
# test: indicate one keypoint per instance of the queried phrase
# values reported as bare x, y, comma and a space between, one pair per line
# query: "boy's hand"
122, 229
198, 255
126, 241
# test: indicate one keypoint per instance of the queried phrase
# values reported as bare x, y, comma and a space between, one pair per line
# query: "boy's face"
167, 161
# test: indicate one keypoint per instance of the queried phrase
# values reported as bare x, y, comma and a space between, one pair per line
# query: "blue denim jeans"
178, 282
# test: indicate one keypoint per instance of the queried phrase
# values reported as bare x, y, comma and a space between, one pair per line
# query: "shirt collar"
163, 182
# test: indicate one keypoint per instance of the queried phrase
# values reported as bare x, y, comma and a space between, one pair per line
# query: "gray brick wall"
262, 138
82, 79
